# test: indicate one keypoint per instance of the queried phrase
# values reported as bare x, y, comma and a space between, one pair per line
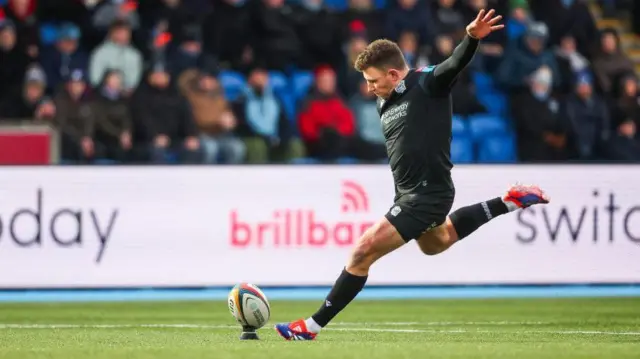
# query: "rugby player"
415, 110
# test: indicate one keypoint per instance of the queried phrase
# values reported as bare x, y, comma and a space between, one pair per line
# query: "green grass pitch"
514, 328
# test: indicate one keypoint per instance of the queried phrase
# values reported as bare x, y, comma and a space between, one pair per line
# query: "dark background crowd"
272, 81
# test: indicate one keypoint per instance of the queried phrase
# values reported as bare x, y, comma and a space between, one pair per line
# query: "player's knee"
436, 244
365, 253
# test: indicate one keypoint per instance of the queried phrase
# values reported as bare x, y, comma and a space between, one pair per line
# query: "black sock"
467, 219
344, 290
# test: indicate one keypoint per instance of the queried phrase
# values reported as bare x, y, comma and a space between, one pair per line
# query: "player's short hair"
382, 54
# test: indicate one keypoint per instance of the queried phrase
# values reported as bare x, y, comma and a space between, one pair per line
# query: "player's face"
381, 82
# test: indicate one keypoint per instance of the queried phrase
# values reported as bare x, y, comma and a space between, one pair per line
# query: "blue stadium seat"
486, 124
104, 161
233, 83
496, 103
336, 4
462, 150
48, 33
305, 161
301, 81
380, 4
289, 104
483, 82
278, 82
458, 125
347, 161
497, 149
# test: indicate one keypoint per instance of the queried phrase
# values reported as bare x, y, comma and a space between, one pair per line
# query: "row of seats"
482, 138
290, 89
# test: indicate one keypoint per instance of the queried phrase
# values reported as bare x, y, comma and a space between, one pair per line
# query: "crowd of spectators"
140, 82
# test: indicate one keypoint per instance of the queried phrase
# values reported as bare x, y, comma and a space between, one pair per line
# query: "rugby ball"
249, 306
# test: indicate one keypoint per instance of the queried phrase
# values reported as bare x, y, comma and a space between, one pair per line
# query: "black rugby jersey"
416, 122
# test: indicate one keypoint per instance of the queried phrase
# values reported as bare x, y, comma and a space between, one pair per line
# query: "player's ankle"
312, 326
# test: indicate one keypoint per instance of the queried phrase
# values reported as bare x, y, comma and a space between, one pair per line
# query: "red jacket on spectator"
323, 111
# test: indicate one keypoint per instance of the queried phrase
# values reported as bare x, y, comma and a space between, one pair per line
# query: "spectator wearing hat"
540, 127
368, 129
59, 60
364, 13
626, 120
109, 11
326, 123
212, 115
188, 54
23, 15
567, 17
163, 120
29, 101
13, 59
117, 53
410, 15
589, 122
74, 118
492, 47
415, 55
526, 56
349, 79
262, 123
611, 63
274, 36
318, 47
113, 124
230, 17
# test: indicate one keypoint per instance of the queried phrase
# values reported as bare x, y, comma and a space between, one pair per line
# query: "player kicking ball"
415, 110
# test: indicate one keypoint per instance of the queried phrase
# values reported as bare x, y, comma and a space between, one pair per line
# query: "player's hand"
484, 24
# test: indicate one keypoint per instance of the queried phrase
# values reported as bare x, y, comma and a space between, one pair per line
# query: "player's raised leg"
467, 220
379, 240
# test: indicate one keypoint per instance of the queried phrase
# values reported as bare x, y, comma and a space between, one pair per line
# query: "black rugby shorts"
414, 214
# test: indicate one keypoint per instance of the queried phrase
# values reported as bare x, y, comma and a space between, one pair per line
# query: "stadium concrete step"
617, 24
634, 55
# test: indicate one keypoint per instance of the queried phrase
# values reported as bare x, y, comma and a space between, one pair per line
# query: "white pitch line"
381, 330
439, 323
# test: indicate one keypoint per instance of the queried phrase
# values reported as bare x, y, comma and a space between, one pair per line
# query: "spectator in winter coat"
412, 16
113, 123
326, 123
29, 101
212, 115
626, 121
571, 63
24, 16
112, 10
567, 17
13, 59
538, 121
64, 56
163, 120
188, 54
262, 123
363, 12
523, 59
611, 63
589, 122
116, 53
368, 129
229, 17
75, 119
318, 47
274, 37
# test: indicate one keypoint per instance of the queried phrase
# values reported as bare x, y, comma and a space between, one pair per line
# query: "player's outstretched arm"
484, 24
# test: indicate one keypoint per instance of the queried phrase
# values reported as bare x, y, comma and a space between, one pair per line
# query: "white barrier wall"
198, 226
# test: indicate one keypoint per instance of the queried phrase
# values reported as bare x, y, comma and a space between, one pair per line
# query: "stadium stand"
84, 68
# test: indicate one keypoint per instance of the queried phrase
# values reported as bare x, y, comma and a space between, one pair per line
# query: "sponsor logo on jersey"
395, 113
